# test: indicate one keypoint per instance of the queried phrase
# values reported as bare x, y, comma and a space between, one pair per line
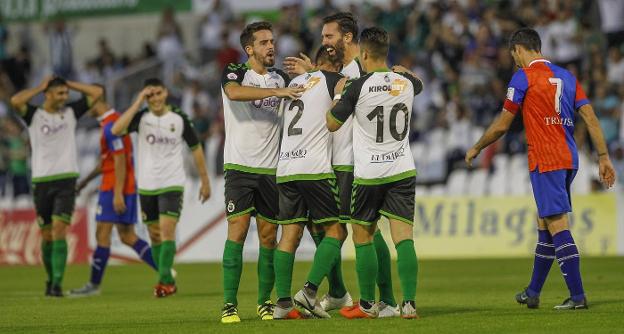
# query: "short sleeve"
136, 120
188, 133
332, 78
29, 114
516, 91
416, 83
580, 99
233, 73
80, 107
346, 105
114, 143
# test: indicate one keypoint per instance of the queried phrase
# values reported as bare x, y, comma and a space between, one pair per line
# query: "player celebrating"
251, 95
307, 187
161, 130
117, 202
54, 165
339, 34
549, 95
384, 183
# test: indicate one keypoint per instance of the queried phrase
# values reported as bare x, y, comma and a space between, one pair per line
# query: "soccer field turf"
454, 296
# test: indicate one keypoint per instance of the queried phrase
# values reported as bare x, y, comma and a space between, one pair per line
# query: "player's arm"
92, 92
121, 125
344, 103
606, 170
92, 175
497, 129
417, 83
120, 180
190, 137
20, 100
232, 83
236, 92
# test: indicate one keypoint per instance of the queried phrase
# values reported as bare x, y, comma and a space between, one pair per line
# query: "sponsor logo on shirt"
294, 154
269, 102
555, 120
387, 157
50, 130
395, 88
161, 140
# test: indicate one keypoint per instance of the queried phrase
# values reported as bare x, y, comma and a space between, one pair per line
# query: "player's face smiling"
333, 40
264, 48
58, 96
157, 99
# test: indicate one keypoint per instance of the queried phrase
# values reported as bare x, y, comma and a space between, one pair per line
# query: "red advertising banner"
20, 238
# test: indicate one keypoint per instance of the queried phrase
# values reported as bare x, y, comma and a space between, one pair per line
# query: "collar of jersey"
106, 114
538, 60
382, 69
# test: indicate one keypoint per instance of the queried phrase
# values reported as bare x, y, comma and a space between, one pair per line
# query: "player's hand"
44, 83
296, 65
470, 155
145, 93
204, 191
400, 69
290, 92
119, 204
607, 172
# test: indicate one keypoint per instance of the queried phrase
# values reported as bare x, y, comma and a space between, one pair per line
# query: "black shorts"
394, 200
345, 184
166, 204
251, 193
316, 200
54, 200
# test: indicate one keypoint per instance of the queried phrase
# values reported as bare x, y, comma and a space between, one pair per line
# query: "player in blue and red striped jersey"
117, 202
549, 98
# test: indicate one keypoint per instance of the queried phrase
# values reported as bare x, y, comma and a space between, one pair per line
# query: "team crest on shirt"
231, 207
387, 78
232, 76
397, 87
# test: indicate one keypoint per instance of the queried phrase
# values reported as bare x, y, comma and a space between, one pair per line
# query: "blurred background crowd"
457, 47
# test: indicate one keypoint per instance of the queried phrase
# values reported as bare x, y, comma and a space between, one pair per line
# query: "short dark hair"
346, 22
526, 37
323, 56
247, 36
55, 82
153, 82
375, 40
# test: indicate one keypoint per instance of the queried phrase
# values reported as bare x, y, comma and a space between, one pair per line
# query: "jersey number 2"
292, 130
379, 113
559, 83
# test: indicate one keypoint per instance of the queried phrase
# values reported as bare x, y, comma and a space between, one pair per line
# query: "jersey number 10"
379, 113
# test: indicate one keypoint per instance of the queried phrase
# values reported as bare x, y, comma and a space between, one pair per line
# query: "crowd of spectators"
459, 48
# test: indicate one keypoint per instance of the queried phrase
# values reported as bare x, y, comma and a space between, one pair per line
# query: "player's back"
381, 126
306, 146
549, 96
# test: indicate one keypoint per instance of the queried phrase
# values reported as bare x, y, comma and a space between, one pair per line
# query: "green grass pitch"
454, 296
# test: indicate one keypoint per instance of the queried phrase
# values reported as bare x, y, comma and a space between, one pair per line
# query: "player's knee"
336, 231
237, 229
268, 240
290, 239
46, 234
556, 223
128, 237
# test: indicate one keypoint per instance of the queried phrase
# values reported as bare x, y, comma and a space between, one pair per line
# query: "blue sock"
144, 251
569, 260
100, 259
544, 257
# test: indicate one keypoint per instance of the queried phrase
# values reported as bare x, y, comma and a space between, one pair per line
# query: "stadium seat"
437, 190
477, 185
421, 191
457, 182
